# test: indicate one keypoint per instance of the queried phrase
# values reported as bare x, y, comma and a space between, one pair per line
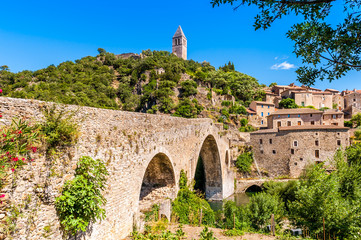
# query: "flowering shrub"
17, 142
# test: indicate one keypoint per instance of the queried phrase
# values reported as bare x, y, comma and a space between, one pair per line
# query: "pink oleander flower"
1, 116
15, 159
20, 132
34, 149
1, 91
12, 169
2, 195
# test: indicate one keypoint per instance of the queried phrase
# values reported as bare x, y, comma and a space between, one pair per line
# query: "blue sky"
34, 35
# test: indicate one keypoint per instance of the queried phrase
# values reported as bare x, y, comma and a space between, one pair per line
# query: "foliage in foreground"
328, 50
81, 200
188, 204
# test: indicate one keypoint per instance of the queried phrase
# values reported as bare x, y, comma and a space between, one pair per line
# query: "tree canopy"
328, 51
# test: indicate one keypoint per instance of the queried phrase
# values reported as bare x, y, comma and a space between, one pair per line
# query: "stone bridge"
243, 184
144, 154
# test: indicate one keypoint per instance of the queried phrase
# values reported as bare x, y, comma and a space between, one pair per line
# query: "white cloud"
283, 66
284, 57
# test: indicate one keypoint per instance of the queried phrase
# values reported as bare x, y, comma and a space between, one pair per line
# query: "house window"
262, 105
289, 115
316, 143
299, 115
279, 116
310, 115
278, 124
270, 141
312, 122
260, 141
303, 104
317, 153
274, 151
268, 106
262, 114
299, 123
295, 143
288, 123
334, 116
262, 122
292, 151
338, 142
268, 114
251, 114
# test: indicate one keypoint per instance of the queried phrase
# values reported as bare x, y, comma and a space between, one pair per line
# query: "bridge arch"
254, 188
158, 183
209, 170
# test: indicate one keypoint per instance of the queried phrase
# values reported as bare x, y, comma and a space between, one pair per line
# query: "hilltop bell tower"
180, 44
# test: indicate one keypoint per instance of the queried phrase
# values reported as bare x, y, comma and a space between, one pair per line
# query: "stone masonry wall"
277, 153
127, 142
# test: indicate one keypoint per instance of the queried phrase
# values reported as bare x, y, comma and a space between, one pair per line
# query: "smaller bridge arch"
209, 169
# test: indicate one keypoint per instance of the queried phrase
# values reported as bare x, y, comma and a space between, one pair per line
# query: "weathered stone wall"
127, 142
277, 153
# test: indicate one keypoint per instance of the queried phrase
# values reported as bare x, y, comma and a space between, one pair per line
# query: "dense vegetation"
154, 81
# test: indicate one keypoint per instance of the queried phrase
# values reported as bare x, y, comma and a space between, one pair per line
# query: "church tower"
180, 44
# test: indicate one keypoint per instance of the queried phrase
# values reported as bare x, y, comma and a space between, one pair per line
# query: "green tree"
288, 103
328, 50
261, 207
189, 88
356, 120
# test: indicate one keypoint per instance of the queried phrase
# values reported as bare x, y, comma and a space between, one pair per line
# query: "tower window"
274, 151
260, 141
316, 143
317, 153
338, 142
270, 141
292, 151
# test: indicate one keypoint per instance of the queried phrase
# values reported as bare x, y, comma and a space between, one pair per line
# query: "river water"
239, 198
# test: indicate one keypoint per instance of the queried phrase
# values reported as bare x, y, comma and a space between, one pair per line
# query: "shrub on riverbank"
188, 205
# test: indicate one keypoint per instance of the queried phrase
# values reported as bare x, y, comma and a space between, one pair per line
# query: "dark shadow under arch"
209, 163
254, 189
158, 181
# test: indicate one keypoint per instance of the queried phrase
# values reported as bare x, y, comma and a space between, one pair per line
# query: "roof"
265, 131
251, 111
296, 111
312, 127
179, 33
331, 90
332, 112
265, 103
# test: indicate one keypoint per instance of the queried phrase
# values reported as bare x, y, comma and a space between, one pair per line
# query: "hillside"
152, 82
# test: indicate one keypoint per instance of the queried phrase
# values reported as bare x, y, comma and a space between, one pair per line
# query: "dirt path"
193, 233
